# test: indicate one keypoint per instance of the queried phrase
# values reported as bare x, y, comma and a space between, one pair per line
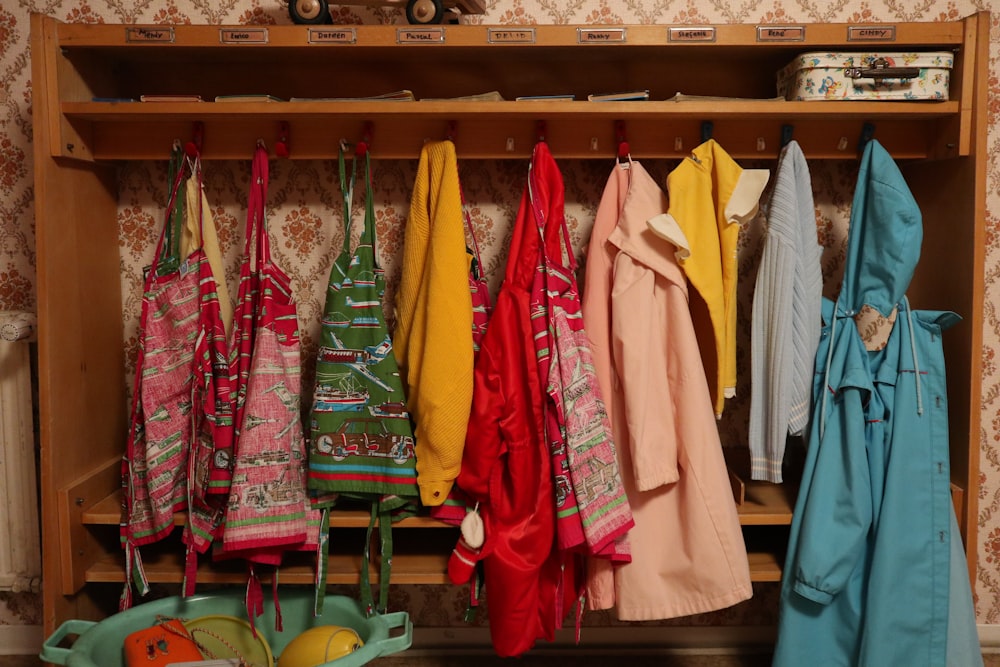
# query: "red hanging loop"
282, 147
366, 139
193, 147
623, 149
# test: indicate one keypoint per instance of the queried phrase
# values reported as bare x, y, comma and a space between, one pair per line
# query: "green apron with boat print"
361, 444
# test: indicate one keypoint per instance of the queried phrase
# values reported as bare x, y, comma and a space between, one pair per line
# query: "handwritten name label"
692, 34
420, 35
600, 35
243, 35
331, 36
871, 33
783, 33
508, 36
149, 34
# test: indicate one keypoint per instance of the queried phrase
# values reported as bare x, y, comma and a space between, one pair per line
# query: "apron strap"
322, 560
347, 193
384, 518
368, 235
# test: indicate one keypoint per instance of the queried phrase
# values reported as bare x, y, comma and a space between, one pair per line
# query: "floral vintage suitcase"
867, 76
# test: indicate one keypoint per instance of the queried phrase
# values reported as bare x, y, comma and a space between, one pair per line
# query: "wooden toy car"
418, 12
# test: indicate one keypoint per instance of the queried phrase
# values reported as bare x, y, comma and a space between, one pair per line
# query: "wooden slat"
497, 134
107, 511
343, 569
925, 35
80, 547
764, 504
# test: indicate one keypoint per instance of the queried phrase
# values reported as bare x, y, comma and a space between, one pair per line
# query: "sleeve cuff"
813, 594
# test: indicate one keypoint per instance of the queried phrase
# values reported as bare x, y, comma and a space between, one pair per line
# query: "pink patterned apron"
267, 510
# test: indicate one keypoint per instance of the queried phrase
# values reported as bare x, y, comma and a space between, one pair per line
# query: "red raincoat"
506, 465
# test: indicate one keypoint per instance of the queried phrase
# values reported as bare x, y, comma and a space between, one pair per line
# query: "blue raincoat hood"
880, 258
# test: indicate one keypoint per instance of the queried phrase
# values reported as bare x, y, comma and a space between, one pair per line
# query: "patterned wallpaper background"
305, 213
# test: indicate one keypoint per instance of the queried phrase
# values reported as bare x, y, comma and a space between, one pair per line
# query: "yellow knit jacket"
433, 337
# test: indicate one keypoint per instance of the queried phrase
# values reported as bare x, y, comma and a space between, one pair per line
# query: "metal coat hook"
867, 133
282, 147
540, 130
194, 146
452, 130
707, 127
787, 134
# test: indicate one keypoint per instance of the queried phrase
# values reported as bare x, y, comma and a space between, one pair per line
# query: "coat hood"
884, 238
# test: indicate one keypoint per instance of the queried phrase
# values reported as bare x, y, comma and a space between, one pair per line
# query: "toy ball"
320, 645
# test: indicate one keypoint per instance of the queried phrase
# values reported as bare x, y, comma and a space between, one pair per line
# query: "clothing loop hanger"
623, 147
282, 147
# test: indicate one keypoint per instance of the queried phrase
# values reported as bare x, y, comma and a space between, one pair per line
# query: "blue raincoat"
875, 575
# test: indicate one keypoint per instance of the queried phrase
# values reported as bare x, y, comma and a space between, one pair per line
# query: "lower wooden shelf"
421, 546
168, 568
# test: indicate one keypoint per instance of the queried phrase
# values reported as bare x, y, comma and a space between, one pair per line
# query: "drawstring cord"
913, 351
827, 390
826, 372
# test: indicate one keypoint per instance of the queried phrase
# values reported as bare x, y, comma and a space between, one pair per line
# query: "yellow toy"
319, 645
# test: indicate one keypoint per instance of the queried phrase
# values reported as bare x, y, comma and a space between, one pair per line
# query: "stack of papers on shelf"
247, 98
544, 97
681, 97
170, 98
492, 96
620, 97
394, 96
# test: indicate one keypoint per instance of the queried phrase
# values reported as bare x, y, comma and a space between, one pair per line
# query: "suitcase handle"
879, 69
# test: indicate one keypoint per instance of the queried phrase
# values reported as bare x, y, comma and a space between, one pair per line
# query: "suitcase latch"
879, 69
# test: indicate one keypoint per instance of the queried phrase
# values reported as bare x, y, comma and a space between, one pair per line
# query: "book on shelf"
247, 98
491, 96
170, 98
394, 96
543, 98
683, 97
620, 97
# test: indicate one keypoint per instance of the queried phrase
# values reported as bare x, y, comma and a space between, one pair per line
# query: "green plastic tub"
100, 643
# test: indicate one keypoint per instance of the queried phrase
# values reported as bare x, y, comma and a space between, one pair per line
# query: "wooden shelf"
765, 505
482, 37
342, 569
168, 568
107, 512
509, 130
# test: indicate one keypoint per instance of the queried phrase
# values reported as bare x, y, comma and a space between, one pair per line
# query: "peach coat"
688, 554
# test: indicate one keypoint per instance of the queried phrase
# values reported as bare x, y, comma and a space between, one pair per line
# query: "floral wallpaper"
306, 216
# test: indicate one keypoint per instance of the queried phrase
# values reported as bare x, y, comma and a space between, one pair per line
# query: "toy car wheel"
424, 11
311, 12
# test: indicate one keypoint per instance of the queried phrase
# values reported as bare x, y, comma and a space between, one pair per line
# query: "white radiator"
20, 551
